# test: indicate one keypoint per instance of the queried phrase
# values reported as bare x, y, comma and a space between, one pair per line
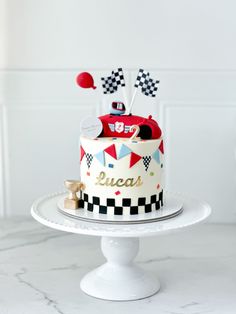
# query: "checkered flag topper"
141, 79
110, 84
146, 162
150, 87
89, 159
119, 77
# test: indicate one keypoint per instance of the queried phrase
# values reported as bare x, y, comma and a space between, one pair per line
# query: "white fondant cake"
121, 177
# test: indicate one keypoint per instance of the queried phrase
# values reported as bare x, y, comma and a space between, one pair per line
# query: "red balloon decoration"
85, 80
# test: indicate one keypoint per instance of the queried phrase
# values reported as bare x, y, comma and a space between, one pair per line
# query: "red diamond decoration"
158, 185
82, 153
134, 158
117, 193
88, 173
161, 147
111, 150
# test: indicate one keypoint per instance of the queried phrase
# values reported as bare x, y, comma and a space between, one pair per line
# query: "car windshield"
118, 105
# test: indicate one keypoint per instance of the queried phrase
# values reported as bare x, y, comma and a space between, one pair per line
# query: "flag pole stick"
125, 96
132, 101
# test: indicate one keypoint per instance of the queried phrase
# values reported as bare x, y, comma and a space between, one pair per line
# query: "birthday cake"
121, 177
121, 163
121, 169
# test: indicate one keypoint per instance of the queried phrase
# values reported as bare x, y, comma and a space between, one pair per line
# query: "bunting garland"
156, 156
82, 152
124, 151
134, 158
100, 157
146, 162
161, 147
111, 150
89, 159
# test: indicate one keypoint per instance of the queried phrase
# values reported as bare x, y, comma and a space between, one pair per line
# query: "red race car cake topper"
117, 123
120, 126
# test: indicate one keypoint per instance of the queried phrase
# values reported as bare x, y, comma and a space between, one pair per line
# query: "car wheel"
145, 132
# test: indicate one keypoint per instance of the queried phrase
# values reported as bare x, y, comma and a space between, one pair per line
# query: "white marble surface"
40, 271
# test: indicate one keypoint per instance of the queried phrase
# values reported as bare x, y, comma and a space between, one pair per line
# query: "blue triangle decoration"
124, 151
156, 156
100, 157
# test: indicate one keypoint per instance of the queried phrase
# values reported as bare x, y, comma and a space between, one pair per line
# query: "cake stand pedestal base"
119, 279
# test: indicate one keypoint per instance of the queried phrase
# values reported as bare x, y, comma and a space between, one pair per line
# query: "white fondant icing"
126, 179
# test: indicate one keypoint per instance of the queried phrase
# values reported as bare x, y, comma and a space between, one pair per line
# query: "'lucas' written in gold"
102, 179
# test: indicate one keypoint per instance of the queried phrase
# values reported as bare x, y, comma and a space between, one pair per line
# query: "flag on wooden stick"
147, 85
111, 83
150, 87
141, 78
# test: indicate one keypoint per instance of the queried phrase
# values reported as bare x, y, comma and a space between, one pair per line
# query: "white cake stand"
119, 279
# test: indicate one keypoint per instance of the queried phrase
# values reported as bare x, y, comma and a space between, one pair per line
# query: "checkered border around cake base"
143, 205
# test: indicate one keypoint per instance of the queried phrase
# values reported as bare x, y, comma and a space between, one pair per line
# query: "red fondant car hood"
119, 126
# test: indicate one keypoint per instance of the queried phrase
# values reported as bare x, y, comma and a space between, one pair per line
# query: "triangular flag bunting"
134, 158
111, 150
89, 159
146, 162
161, 147
124, 151
100, 157
82, 152
156, 156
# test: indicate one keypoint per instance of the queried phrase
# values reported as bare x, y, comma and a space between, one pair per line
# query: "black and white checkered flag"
89, 159
141, 78
147, 84
150, 87
111, 83
119, 77
146, 162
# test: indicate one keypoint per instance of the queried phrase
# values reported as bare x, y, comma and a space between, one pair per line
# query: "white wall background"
190, 45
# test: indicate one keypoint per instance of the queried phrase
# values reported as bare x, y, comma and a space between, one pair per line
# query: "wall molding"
166, 105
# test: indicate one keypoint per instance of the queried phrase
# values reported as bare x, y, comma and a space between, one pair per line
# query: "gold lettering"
101, 176
109, 182
119, 182
139, 181
129, 182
